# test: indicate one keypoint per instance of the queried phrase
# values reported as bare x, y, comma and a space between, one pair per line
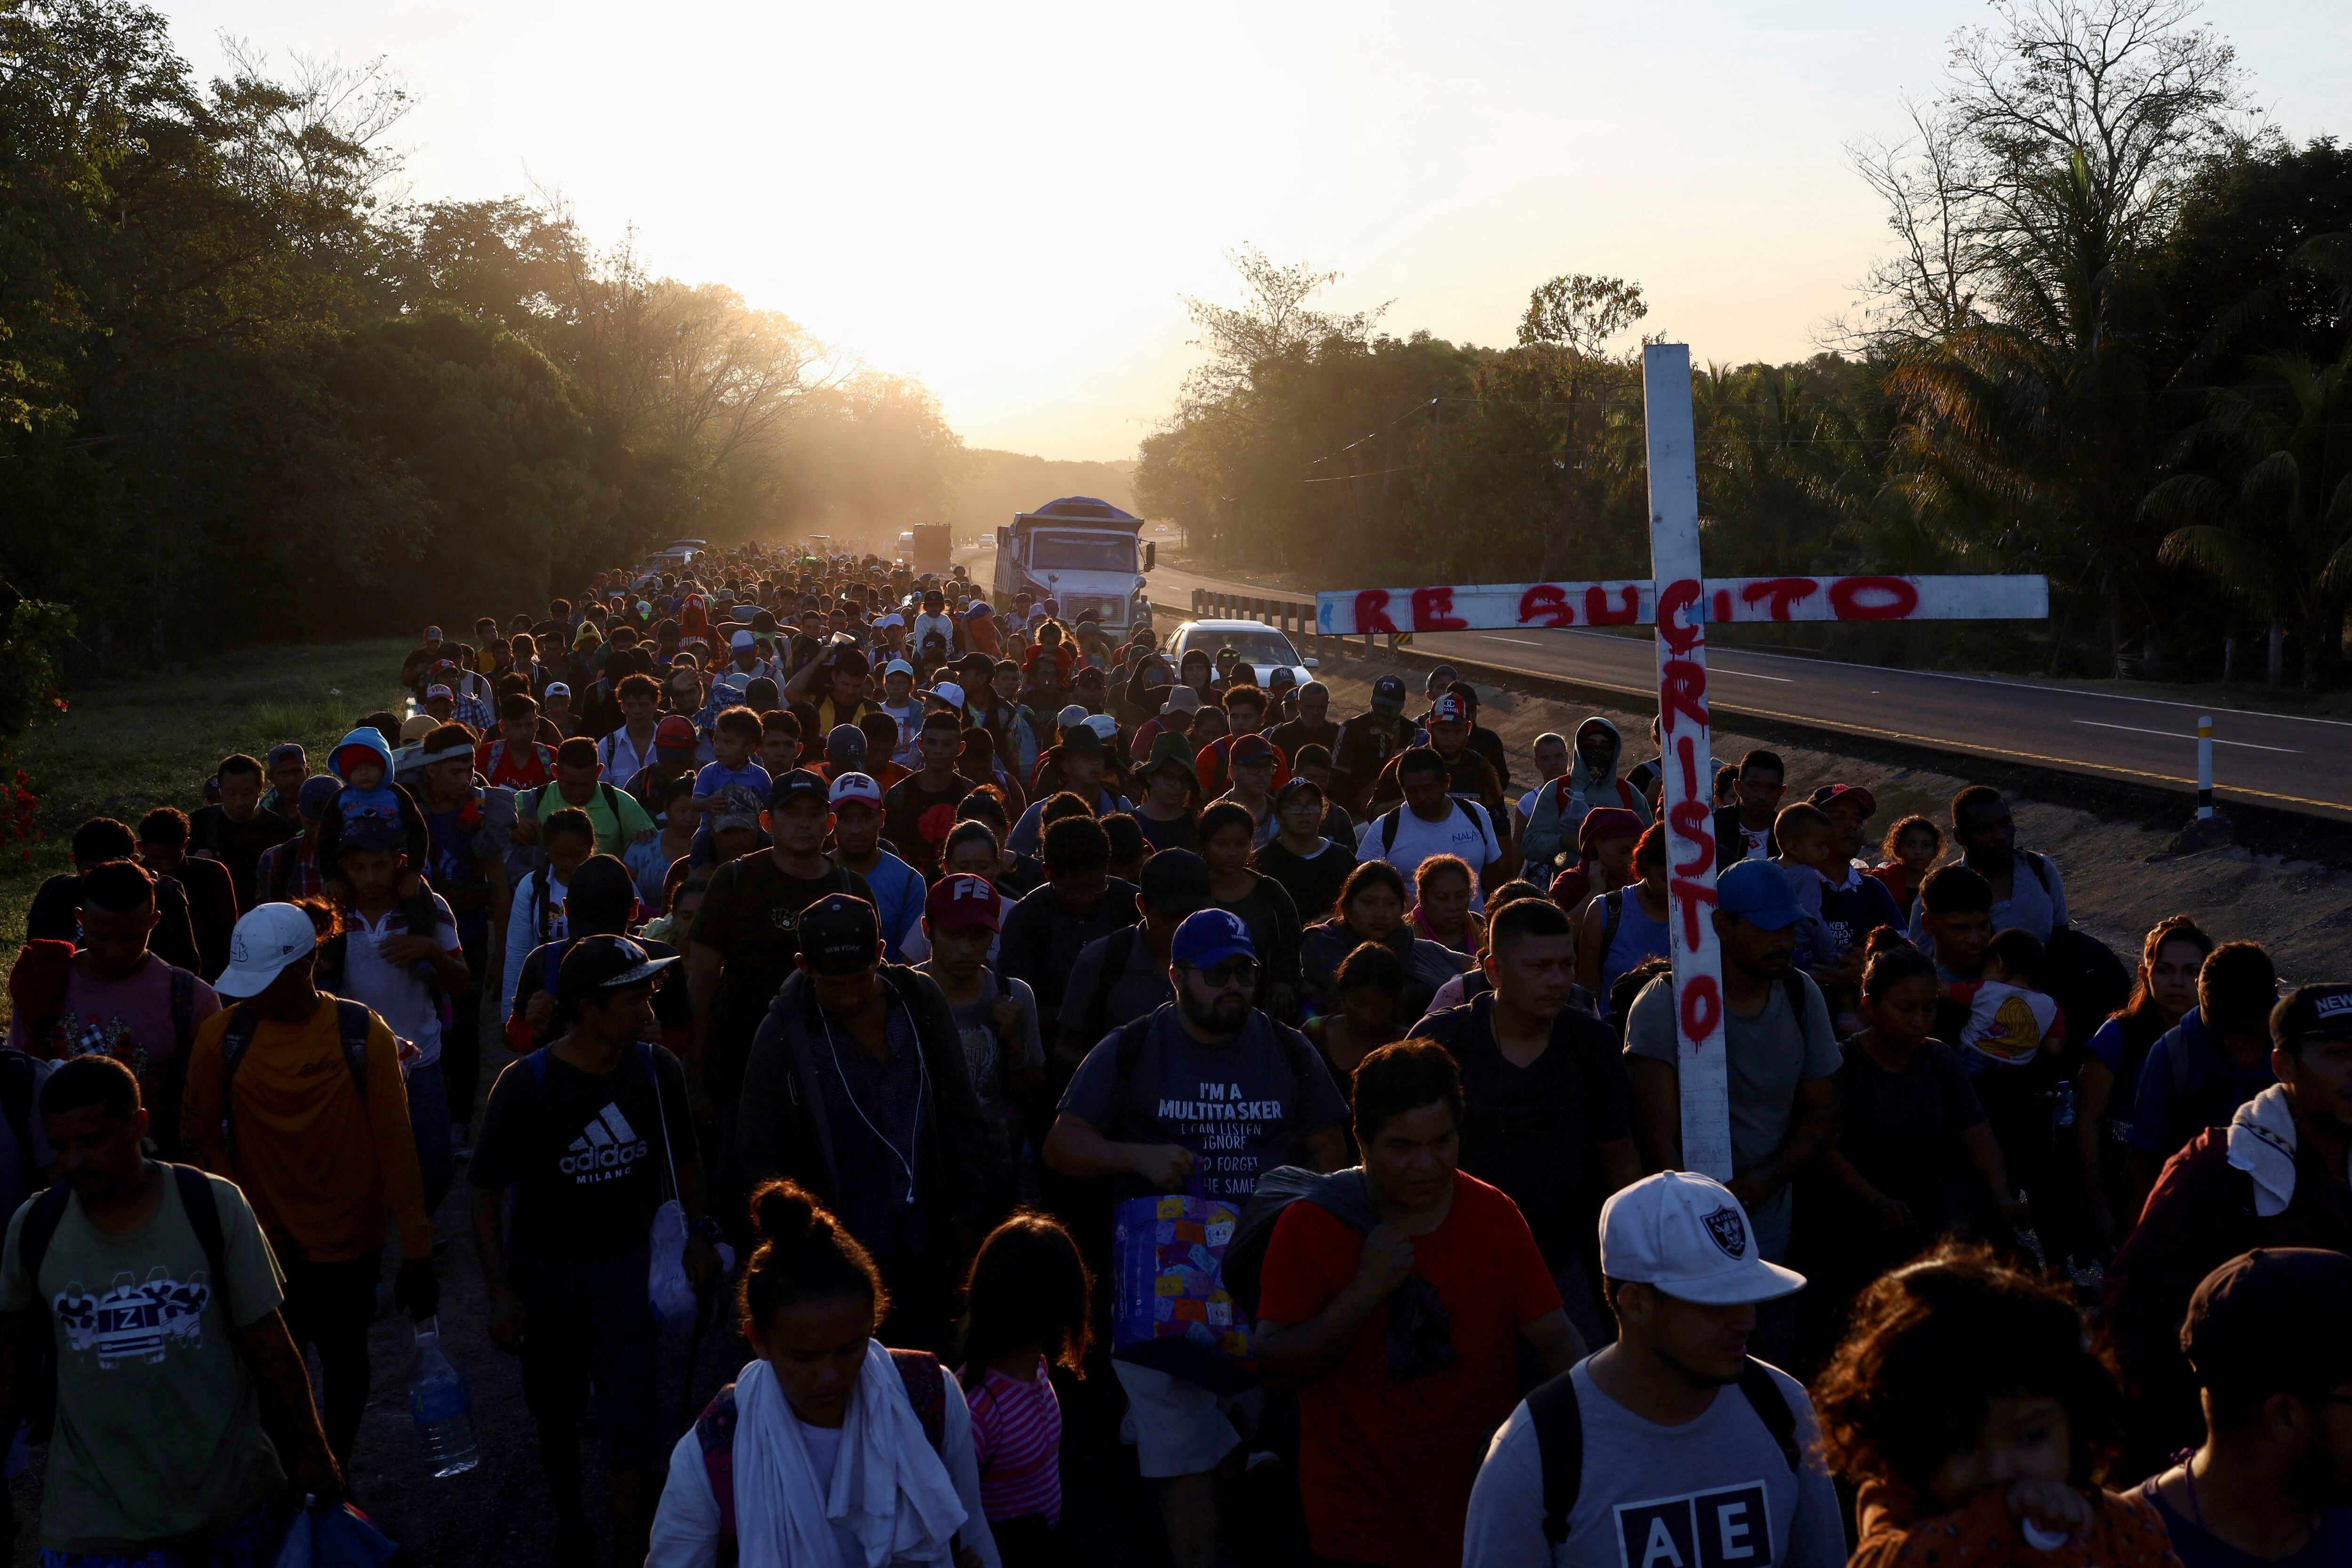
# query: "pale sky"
1006, 201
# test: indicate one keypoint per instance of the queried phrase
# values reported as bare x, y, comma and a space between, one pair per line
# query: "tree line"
2112, 343
245, 396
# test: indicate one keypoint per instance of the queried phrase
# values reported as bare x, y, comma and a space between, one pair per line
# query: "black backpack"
1559, 1437
351, 1021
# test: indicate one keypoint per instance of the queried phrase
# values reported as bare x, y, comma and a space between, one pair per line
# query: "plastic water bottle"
439, 1401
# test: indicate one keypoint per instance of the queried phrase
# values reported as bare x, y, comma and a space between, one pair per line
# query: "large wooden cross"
1679, 602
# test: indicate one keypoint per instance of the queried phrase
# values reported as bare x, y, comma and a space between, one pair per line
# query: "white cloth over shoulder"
2261, 1145
872, 1491
889, 1487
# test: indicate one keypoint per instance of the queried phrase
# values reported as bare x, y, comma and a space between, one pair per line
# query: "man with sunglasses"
1205, 1095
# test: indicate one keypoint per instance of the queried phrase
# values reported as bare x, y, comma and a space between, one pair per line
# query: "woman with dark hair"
829, 1448
1028, 1298
1914, 1160
1364, 1008
1372, 904
2163, 993
1970, 1405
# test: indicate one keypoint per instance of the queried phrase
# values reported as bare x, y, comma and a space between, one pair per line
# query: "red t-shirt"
512, 768
1384, 1469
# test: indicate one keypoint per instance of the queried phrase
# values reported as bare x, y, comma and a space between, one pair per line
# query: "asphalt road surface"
2273, 760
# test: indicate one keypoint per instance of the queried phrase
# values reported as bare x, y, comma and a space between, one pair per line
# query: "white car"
1260, 646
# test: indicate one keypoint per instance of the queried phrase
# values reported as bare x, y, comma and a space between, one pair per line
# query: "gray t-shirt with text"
1242, 1105
1716, 1492
1766, 1056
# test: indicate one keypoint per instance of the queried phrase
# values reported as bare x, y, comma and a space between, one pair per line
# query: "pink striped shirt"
1017, 1428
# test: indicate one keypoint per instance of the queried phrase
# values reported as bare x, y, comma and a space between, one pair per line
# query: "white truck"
1082, 553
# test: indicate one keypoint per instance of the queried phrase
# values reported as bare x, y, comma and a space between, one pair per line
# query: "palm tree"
2276, 529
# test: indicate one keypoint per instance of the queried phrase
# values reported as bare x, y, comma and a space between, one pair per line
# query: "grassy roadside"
122, 750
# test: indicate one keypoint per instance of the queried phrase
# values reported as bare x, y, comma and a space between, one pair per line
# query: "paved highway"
2272, 758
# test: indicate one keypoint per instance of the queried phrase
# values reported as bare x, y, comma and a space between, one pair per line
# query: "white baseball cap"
1687, 1235
1103, 724
898, 667
739, 640
856, 787
947, 692
268, 937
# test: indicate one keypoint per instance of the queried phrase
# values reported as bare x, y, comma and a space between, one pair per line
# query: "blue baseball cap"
1210, 937
1757, 892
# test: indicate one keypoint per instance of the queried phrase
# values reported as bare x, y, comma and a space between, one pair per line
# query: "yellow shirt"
320, 1163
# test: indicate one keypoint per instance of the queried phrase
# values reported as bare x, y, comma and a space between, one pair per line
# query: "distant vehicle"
1264, 649
1082, 553
929, 548
689, 544
906, 544
1160, 527
674, 557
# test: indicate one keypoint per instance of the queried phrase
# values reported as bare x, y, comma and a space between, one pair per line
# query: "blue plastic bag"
1170, 1307
337, 1536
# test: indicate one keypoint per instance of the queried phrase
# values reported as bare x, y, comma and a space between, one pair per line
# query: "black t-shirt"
1313, 883
1183, 833
1902, 1130
751, 912
237, 845
902, 816
588, 1155
1290, 735
1532, 1130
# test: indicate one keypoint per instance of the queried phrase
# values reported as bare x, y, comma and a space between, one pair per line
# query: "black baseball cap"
1081, 738
604, 964
1388, 693
2272, 1321
2312, 1012
839, 935
1175, 883
1295, 786
799, 781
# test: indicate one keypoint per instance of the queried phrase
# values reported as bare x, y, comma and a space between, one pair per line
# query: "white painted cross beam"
1679, 602
1633, 602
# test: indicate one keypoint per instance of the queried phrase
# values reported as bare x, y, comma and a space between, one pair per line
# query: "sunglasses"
1233, 972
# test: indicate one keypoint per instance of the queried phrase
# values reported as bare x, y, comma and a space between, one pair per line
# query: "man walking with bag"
1205, 1095
589, 1132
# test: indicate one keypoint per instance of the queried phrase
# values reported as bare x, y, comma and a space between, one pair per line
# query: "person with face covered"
1590, 782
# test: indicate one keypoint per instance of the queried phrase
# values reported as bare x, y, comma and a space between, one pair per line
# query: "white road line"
2169, 734
1522, 642
1986, 681
1744, 675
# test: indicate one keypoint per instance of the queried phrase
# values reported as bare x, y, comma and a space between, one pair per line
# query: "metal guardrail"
1293, 617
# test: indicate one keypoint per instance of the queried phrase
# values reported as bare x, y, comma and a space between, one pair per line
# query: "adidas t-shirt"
585, 1154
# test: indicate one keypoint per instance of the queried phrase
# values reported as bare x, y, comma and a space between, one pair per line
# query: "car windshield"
1259, 647
1083, 552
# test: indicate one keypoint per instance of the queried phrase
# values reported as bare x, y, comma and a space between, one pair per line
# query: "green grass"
122, 749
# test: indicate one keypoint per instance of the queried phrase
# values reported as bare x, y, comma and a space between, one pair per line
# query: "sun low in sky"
1007, 202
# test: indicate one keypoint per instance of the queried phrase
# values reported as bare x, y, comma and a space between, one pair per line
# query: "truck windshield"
1083, 552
